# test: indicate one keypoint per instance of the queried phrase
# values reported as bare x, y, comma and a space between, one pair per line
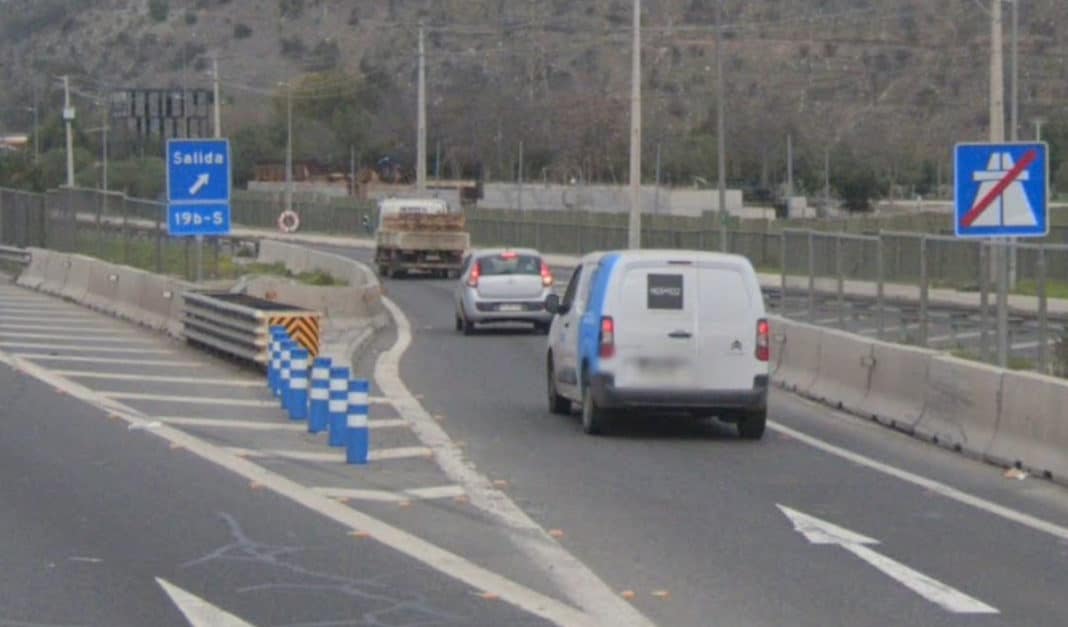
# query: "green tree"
158, 10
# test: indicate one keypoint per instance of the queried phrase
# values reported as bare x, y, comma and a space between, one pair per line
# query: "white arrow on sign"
197, 611
819, 531
201, 182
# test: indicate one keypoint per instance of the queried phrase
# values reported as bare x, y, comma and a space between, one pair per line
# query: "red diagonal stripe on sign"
1010, 178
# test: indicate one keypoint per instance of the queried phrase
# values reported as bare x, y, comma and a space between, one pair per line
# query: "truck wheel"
751, 424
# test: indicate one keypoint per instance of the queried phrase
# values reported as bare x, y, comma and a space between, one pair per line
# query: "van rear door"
726, 326
655, 324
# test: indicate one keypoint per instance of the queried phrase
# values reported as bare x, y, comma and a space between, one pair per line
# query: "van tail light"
546, 275
476, 272
608, 337
763, 340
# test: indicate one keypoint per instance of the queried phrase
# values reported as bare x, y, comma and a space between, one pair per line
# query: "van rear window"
664, 291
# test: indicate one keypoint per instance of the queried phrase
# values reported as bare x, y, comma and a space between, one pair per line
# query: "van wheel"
557, 404
594, 419
751, 424
469, 327
541, 328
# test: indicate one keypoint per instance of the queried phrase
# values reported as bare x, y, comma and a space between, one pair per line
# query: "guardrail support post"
357, 440
1043, 319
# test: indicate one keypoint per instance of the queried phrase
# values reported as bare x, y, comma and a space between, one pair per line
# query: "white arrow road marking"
197, 611
819, 531
200, 184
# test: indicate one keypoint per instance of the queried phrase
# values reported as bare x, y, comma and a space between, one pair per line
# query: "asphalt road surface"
698, 527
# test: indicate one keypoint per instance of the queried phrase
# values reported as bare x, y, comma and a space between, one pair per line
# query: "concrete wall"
606, 198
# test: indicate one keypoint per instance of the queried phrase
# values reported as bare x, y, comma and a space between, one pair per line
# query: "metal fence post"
924, 291
839, 271
811, 275
100, 226
125, 233
159, 238
880, 286
984, 301
782, 266
1043, 322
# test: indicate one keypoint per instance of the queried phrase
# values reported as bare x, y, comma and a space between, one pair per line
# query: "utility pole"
420, 156
826, 179
997, 135
721, 130
215, 97
656, 190
289, 147
1014, 112
519, 176
68, 118
352, 170
1038, 129
36, 128
634, 228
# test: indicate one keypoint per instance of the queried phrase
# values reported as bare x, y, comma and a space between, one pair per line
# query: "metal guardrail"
11, 254
239, 325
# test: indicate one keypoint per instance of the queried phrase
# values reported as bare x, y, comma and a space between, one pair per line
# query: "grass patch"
1054, 289
1015, 362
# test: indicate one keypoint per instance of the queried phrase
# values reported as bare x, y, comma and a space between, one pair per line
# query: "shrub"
158, 10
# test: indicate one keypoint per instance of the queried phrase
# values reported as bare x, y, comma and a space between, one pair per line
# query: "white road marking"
66, 328
255, 425
433, 556
578, 582
826, 321
197, 611
79, 337
76, 348
110, 360
949, 338
41, 316
933, 486
818, 531
385, 496
403, 452
195, 400
242, 383
1023, 346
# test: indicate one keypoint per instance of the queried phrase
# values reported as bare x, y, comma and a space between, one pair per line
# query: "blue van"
660, 332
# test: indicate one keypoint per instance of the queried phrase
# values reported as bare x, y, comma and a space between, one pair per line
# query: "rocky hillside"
892, 82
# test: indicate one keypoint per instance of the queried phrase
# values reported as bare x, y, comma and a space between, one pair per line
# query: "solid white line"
577, 580
80, 338
197, 611
931, 589
109, 360
246, 383
195, 400
451, 564
110, 330
404, 452
75, 348
928, 484
42, 317
255, 425
385, 496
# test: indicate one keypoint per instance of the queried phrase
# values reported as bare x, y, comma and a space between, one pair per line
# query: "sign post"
198, 190
1001, 192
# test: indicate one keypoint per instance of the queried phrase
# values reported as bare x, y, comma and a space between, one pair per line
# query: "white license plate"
509, 308
433, 258
654, 364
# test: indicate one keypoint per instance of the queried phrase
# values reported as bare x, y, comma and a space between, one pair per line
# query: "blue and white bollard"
274, 366
298, 384
319, 407
338, 405
288, 346
357, 434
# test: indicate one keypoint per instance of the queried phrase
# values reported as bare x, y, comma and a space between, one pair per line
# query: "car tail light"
509, 254
546, 275
608, 337
476, 272
763, 340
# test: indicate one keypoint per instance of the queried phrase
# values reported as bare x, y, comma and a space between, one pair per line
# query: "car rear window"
493, 265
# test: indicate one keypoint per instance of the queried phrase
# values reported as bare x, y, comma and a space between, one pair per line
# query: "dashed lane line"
79, 348
40, 316
110, 376
385, 496
107, 338
257, 425
113, 330
110, 360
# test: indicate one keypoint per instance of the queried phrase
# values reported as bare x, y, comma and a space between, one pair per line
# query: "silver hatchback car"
503, 285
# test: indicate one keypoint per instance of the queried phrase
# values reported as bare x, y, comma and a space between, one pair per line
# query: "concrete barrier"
1033, 429
962, 404
103, 287
896, 394
33, 274
129, 285
155, 300
845, 367
77, 282
799, 356
55, 274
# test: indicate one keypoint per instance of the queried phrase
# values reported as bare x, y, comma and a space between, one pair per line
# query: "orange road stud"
661, 594
175, 446
489, 596
500, 483
255, 485
360, 534
628, 595
461, 498
556, 533
404, 503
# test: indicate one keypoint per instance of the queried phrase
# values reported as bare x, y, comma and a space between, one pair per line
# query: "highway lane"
685, 515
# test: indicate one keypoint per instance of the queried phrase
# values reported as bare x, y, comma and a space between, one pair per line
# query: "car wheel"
557, 404
459, 323
541, 327
469, 327
751, 424
594, 419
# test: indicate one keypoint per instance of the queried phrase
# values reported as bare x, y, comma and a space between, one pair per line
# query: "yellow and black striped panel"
304, 329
